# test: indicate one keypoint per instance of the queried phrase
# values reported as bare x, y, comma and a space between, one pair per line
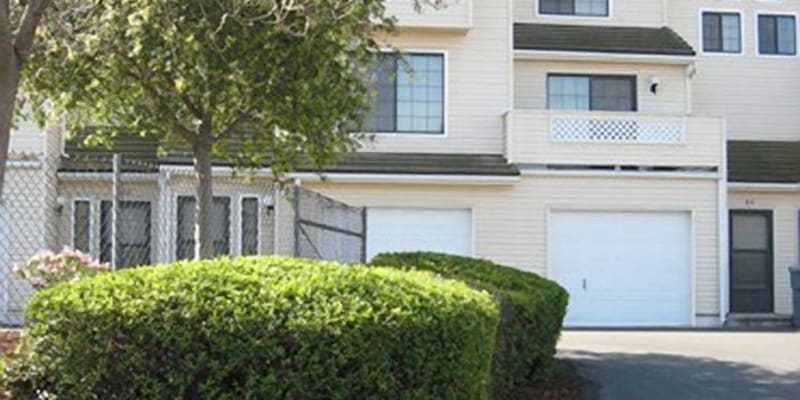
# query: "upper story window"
591, 92
777, 35
722, 32
410, 94
582, 8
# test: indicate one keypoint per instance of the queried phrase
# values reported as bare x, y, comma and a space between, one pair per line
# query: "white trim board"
621, 174
562, 55
763, 187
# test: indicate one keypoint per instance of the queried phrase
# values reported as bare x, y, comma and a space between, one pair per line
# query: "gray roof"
605, 39
141, 155
764, 161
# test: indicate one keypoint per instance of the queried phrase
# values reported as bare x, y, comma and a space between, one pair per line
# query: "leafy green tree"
19, 20
245, 81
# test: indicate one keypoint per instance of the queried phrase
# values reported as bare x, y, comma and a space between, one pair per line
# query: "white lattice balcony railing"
539, 136
617, 129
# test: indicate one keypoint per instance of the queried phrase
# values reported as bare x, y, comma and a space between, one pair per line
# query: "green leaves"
250, 68
259, 328
532, 313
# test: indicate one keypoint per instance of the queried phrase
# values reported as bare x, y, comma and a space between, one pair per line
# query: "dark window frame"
182, 243
573, 13
634, 80
88, 228
721, 32
776, 34
106, 231
397, 63
242, 242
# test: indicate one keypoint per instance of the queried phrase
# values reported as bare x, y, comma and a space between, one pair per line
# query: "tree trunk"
204, 236
9, 82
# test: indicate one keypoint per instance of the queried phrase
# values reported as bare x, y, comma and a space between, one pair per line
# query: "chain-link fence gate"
130, 212
327, 229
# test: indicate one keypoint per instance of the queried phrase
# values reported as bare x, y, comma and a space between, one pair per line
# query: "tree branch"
23, 37
5, 21
178, 128
236, 122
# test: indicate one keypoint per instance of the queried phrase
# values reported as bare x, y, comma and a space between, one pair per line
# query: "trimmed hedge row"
532, 313
258, 328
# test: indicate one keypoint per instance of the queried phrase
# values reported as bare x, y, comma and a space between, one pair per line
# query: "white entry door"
623, 269
409, 229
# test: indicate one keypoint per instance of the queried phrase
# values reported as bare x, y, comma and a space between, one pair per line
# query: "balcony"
456, 15
607, 138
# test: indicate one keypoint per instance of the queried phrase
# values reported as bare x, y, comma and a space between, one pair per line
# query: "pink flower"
47, 269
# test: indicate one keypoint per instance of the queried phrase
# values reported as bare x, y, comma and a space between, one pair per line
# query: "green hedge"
258, 328
533, 310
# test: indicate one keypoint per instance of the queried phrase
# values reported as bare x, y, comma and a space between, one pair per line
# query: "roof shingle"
141, 155
764, 162
603, 39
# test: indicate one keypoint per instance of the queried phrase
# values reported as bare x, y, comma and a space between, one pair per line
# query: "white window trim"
742, 33
757, 29
231, 233
445, 114
537, 14
259, 221
76, 200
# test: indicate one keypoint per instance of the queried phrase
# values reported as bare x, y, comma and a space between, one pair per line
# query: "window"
133, 233
81, 225
250, 228
409, 95
777, 35
591, 92
220, 226
722, 32
585, 8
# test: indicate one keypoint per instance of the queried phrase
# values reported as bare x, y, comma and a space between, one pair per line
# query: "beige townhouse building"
653, 145
642, 153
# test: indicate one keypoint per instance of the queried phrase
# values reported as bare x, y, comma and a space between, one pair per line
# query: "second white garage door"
408, 229
623, 269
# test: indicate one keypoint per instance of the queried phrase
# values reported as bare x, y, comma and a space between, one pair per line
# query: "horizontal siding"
27, 141
457, 14
478, 84
530, 83
623, 13
759, 95
529, 142
511, 221
785, 208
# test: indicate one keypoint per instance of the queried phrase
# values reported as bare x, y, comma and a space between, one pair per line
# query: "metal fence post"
364, 235
115, 209
296, 206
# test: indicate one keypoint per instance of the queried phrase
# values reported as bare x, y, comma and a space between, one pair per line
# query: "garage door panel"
623, 269
405, 229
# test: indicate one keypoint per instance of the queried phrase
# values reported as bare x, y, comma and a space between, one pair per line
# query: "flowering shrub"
47, 268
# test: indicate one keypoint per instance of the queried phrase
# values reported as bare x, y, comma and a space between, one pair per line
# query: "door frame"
771, 253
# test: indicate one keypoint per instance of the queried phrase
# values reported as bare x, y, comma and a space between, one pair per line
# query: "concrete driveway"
685, 365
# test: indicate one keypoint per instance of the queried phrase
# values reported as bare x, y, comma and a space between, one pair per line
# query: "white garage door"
402, 229
623, 269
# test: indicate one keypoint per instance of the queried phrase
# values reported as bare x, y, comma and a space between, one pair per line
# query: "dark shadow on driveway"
621, 376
